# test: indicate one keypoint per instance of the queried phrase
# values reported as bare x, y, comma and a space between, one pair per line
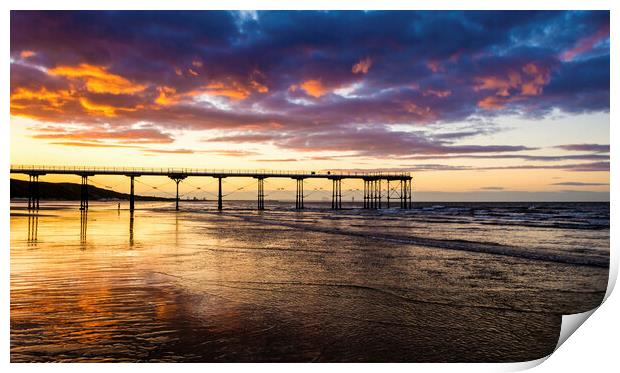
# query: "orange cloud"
167, 96
105, 110
492, 103
26, 54
362, 66
21, 98
233, 90
261, 88
312, 87
586, 44
537, 79
514, 85
97, 79
102, 109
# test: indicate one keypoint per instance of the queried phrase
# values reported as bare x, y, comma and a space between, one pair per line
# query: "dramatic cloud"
333, 81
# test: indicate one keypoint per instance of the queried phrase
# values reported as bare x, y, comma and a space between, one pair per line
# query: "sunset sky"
478, 105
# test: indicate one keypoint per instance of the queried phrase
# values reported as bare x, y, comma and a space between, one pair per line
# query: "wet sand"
279, 286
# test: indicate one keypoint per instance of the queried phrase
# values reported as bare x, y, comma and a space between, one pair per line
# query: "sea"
441, 282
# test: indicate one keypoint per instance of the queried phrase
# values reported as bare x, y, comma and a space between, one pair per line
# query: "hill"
71, 191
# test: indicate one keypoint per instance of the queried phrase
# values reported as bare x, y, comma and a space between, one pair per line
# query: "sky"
478, 105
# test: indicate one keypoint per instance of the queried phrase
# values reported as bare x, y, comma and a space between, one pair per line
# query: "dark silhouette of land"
71, 191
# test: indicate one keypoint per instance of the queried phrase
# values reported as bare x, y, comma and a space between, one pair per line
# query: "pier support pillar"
177, 199
84, 193
131, 194
336, 194
367, 193
402, 193
177, 179
405, 194
36, 192
410, 194
30, 191
364, 195
33, 192
299, 196
219, 193
34, 195
261, 193
388, 193
373, 194
378, 193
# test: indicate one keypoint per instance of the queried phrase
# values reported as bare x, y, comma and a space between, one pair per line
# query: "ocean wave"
450, 244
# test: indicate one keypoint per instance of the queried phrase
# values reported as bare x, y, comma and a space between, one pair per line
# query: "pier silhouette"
372, 183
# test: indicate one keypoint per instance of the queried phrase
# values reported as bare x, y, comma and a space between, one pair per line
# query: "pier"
372, 193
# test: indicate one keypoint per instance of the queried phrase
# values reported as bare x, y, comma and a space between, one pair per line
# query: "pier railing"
202, 171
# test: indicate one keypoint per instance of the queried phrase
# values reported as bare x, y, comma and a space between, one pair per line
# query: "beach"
441, 282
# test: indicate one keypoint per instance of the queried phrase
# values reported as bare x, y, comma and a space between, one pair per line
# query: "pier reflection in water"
131, 218
196, 285
83, 227
33, 226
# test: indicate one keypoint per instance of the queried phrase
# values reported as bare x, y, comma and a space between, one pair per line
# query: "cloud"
527, 157
276, 160
513, 85
91, 144
312, 87
97, 79
362, 66
231, 153
585, 44
579, 183
168, 151
599, 148
300, 81
364, 142
124, 136
576, 167
26, 54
